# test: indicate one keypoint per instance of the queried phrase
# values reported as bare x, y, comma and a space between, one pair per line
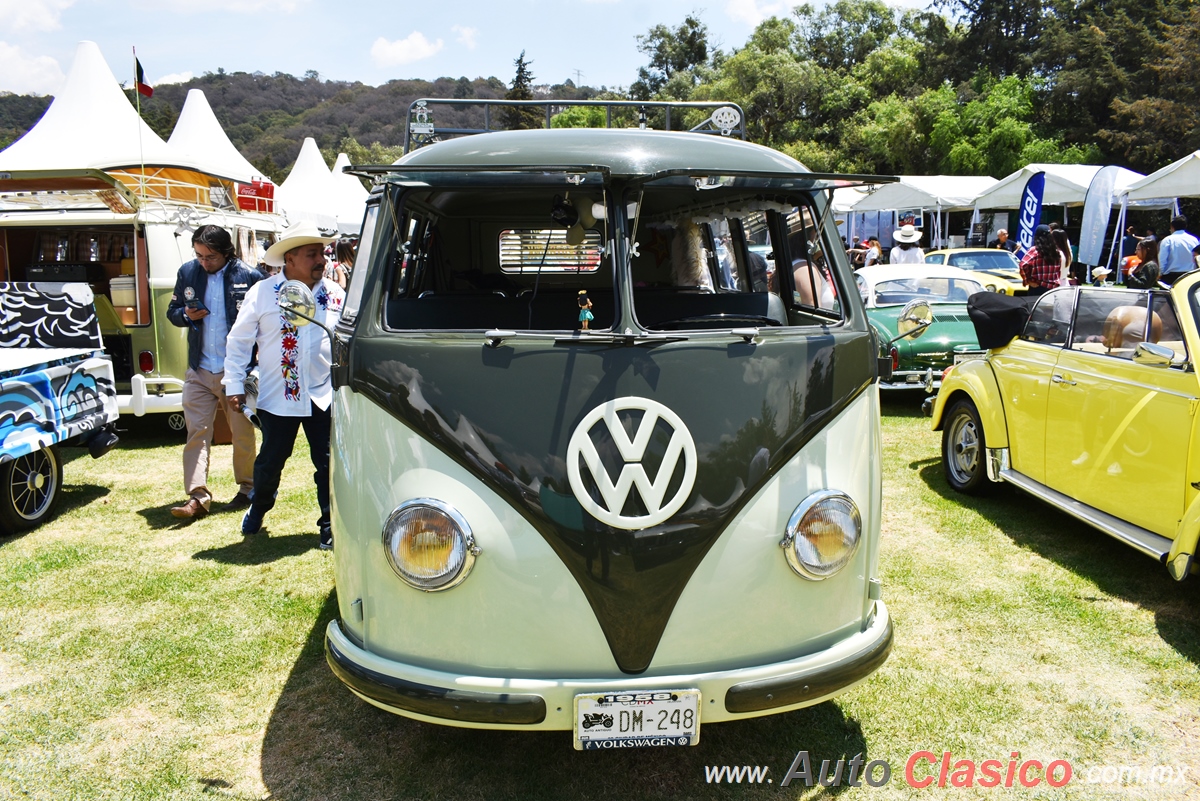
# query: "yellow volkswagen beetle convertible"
1093, 409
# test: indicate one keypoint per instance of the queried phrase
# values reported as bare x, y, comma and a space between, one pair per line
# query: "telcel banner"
1030, 211
1097, 208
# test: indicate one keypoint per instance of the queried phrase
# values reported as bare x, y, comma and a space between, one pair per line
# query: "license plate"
637, 719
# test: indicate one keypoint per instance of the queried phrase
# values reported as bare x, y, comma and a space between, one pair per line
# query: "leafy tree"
941, 58
19, 113
1151, 131
842, 34
1002, 36
514, 117
671, 52
773, 89
580, 117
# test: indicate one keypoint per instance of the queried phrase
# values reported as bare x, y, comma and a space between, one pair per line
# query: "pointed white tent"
308, 192
1177, 179
199, 135
350, 198
91, 125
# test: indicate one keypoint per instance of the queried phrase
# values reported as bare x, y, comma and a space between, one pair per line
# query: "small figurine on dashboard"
585, 310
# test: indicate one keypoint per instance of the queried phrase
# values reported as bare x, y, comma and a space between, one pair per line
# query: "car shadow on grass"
324, 742
74, 496
260, 549
1117, 569
902, 402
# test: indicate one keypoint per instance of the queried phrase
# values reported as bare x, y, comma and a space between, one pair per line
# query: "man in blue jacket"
208, 294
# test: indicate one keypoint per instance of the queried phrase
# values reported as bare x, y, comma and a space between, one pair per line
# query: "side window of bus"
813, 284
362, 261
409, 237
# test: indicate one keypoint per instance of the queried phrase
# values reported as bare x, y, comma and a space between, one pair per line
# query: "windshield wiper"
616, 338
496, 337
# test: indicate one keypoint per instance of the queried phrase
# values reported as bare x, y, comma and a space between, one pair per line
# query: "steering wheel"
723, 318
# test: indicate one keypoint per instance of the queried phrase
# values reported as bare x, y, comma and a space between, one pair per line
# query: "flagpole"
137, 94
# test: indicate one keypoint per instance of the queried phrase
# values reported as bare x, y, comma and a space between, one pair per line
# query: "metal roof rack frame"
725, 119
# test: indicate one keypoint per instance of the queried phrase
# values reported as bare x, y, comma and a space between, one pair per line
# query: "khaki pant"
202, 394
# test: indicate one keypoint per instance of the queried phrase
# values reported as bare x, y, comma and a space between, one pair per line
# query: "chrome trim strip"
1145, 541
997, 463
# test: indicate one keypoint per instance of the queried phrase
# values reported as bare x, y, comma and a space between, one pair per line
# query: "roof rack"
724, 119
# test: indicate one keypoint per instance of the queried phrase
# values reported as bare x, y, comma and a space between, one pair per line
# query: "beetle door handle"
1058, 379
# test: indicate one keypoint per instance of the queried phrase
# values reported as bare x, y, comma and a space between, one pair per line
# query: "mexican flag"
140, 79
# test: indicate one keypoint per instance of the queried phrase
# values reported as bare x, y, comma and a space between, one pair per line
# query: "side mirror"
298, 305
915, 317
1154, 355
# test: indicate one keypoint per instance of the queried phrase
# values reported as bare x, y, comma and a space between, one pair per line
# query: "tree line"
963, 87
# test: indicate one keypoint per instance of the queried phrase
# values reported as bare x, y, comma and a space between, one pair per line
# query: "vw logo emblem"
616, 494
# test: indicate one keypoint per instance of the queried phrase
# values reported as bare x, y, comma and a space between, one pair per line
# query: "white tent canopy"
845, 197
91, 125
938, 192
350, 198
1177, 179
308, 192
199, 135
1066, 185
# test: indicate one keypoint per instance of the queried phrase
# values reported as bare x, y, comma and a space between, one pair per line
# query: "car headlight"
429, 544
822, 534
990, 287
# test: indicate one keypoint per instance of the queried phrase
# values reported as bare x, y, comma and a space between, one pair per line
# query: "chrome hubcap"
32, 485
965, 439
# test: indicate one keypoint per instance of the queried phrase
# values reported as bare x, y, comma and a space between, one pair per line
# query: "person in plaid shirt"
1040, 265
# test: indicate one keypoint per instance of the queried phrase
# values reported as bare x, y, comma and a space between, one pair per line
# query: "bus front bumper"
531, 703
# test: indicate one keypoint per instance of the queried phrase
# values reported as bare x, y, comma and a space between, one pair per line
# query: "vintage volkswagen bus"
596, 466
90, 226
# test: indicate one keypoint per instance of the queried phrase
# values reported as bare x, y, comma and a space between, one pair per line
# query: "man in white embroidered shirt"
294, 384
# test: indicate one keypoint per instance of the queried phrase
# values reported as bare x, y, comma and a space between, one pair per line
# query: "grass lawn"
145, 659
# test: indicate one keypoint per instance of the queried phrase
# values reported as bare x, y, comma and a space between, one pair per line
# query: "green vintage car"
920, 311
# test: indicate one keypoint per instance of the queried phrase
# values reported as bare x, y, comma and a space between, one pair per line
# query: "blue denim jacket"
238, 280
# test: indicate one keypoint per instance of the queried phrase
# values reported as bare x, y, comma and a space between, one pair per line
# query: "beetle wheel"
29, 487
963, 450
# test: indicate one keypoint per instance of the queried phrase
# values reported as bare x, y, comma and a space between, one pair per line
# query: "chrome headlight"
990, 287
822, 534
429, 544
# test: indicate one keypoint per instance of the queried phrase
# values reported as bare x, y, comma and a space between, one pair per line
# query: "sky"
591, 42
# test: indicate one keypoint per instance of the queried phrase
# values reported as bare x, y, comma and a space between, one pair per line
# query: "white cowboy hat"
905, 233
303, 233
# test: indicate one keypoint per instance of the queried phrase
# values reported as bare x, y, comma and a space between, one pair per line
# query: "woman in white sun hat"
906, 250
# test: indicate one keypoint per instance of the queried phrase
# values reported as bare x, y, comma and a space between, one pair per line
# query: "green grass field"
144, 659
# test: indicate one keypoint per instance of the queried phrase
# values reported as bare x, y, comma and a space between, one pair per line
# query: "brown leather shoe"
193, 508
239, 501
